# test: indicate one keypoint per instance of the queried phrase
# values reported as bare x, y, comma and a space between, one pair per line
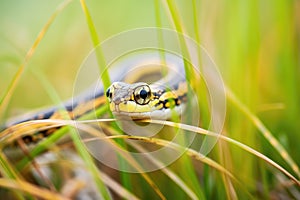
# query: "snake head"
124, 97
139, 100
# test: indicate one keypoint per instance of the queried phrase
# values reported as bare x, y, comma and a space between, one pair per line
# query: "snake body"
137, 100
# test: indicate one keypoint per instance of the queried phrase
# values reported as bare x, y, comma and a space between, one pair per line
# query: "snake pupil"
143, 94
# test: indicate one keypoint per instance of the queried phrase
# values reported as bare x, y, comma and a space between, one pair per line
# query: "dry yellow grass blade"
173, 176
117, 188
31, 127
192, 153
8, 94
126, 156
175, 146
112, 184
30, 189
232, 141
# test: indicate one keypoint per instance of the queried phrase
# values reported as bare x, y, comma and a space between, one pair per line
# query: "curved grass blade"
173, 176
9, 92
127, 157
168, 172
117, 188
175, 146
31, 127
30, 189
9, 172
177, 125
232, 141
264, 131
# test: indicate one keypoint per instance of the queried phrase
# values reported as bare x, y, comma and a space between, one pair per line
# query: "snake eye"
142, 94
108, 93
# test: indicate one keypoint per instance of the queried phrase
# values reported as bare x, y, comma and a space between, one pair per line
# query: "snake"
137, 100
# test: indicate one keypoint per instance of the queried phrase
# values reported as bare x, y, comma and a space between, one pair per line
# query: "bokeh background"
255, 44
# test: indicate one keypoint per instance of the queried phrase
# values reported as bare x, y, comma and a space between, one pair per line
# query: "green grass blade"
264, 131
80, 147
96, 42
103, 71
8, 171
9, 92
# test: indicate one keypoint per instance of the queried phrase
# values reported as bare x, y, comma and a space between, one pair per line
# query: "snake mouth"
162, 114
131, 115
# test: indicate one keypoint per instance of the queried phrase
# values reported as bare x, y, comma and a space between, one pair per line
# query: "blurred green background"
256, 45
